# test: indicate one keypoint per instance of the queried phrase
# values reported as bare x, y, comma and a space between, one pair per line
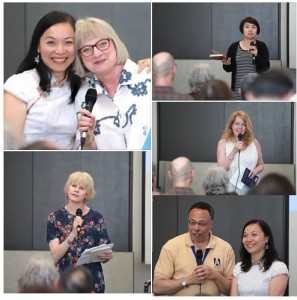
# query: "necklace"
256, 262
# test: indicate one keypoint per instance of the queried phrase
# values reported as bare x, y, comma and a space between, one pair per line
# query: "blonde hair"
248, 136
84, 179
91, 28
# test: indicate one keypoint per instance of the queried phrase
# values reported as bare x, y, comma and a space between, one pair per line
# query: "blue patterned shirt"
123, 122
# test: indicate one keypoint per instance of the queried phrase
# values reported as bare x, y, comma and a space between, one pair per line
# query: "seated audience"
273, 184
77, 279
260, 272
215, 90
246, 83
164, 70
272, 85
181, 174
39, 275
200, 74
216, 181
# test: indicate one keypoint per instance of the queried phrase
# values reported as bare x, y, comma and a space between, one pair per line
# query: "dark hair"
70, 283
204, 206
270, 254
274, 83
273, 184
28, 63
215, 89
249, 20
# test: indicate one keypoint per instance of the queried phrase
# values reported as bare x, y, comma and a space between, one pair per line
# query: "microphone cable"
238, 171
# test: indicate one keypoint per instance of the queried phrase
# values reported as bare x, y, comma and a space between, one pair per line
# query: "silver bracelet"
68, 242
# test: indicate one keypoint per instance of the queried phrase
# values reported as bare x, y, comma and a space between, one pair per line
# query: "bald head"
181, 172
163, 64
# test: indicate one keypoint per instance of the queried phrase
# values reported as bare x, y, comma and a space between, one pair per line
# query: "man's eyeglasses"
101, 45
200, 224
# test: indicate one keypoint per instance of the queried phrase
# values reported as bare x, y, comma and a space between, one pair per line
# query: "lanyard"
204, 256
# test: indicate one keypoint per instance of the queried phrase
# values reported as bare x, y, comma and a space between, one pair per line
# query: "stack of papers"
216, 55
91, 255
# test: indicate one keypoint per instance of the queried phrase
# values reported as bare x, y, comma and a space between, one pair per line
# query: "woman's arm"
260, 164
86, 123
278, 285
15, 112
262, 59
234, 288
223, 160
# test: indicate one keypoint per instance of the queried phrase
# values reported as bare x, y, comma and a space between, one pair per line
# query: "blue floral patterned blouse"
93, 233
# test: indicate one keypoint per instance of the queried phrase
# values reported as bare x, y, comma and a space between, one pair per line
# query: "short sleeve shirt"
177, 261
255, 282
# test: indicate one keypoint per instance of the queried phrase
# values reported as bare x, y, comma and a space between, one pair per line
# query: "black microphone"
90, 100
199, 257
253, 43
79, 214
240, 136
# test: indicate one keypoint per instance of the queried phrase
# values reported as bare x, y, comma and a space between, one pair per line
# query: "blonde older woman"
238, 149
120, 118
76, 227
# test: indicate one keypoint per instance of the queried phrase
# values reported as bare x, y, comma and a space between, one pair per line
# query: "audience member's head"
199, 75
181, 172
216, 181
12, 140
42, 145
273, 184
272, 85
216, 90
77, 279
164, 69
245, 85
39, 274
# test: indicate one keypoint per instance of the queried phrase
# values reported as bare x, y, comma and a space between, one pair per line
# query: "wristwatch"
184, 283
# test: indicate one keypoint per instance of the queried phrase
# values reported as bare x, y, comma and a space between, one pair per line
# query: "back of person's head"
270, 253
181, 170
274, 84
215, 89
203, 206
199, 75
163, 65
77, 279
273, 184
39, 273
216, 181
42, 145
246, 82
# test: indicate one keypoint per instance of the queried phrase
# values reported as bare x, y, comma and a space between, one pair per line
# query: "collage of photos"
149, 149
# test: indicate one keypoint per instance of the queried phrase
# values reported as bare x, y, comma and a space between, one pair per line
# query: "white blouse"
49, 116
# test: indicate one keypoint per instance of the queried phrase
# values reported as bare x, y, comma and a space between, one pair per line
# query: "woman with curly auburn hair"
238, 149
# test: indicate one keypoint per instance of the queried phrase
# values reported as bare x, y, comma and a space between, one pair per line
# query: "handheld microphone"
240, 136
90, 100
79, 214
199, 257
253, 43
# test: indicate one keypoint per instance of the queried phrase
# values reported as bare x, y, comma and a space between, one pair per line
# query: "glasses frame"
95, 45
203, 224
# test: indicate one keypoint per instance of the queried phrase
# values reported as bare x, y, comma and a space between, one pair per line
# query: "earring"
266, 247
36, 59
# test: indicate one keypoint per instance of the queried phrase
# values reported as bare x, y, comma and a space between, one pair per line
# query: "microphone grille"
79, 212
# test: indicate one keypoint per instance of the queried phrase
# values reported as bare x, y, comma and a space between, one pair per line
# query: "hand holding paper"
99, 253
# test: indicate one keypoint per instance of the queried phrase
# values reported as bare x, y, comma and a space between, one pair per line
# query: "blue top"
93, 233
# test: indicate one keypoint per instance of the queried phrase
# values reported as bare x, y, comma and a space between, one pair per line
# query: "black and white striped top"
244, 65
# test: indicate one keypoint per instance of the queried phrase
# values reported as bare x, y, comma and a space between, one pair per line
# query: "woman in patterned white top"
260, 272
238, 149
120, 118
247, 55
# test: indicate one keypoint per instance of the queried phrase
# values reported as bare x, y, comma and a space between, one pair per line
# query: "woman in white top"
260, 272
39, 100
120, 118
237, 150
